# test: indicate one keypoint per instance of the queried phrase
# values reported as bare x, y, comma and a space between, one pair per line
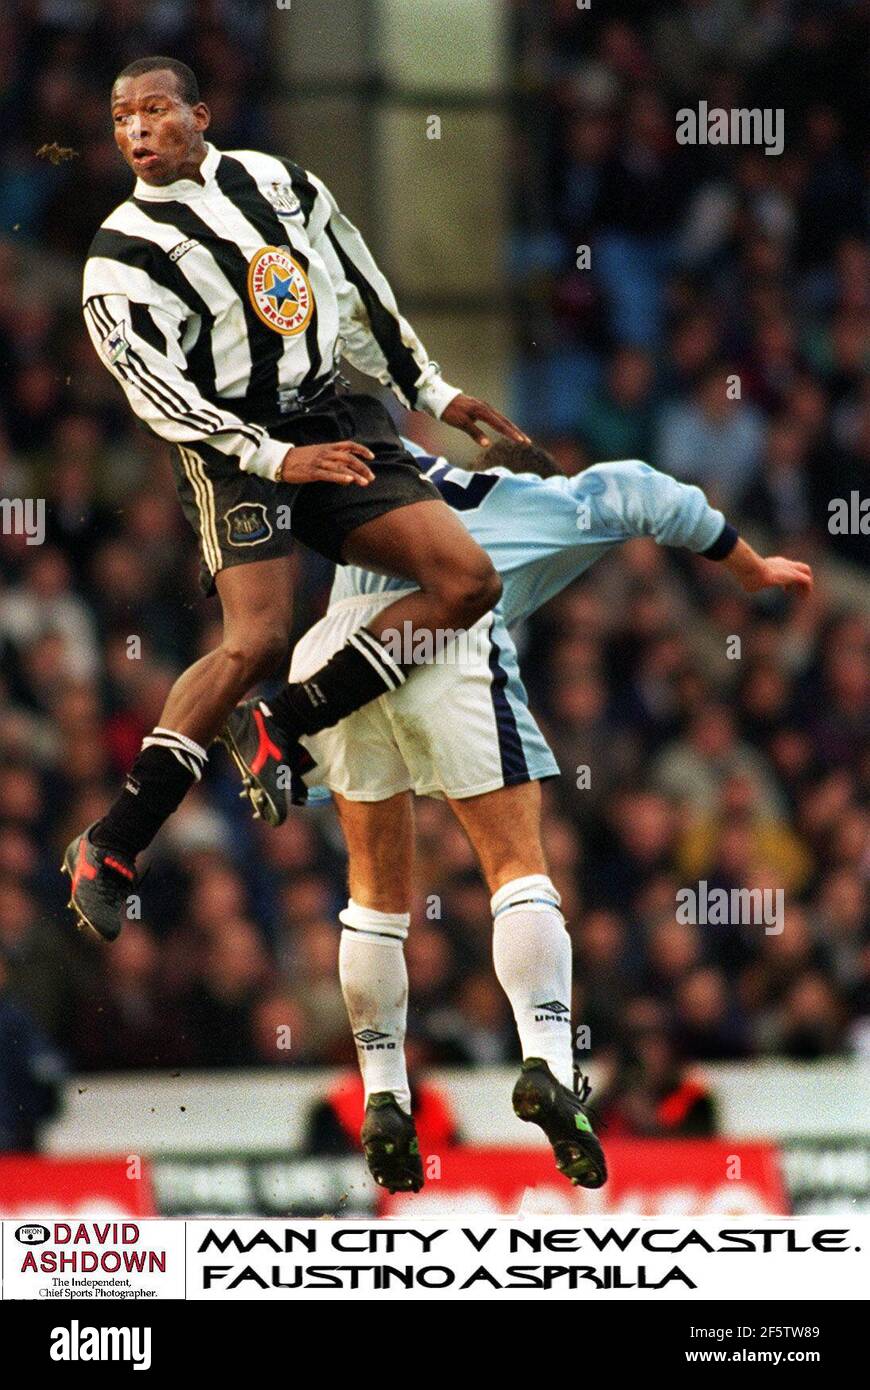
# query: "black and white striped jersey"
213, 304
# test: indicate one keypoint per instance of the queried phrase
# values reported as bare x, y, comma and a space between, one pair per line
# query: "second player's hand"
343, 462
463, 412
779, 573
754, 572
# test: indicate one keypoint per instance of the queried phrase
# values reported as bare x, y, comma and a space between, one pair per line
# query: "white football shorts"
458, 727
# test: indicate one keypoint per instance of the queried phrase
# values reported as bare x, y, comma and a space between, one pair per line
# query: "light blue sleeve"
416, 449
630, 498
543, 533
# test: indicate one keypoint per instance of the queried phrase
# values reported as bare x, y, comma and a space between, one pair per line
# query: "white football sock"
374, 982
532, 954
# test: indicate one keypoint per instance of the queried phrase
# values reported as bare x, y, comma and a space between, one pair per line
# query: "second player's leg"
531, 948
532, 956
504, 828
374, 981
379, 836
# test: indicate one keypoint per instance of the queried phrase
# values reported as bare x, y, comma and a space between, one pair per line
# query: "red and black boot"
101, 880
270, 767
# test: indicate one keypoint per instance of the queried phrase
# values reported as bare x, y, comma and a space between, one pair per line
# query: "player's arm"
638, 500
137, 329
377, 338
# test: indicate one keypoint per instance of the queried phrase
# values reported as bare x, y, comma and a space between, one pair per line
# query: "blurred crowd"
750, 770
700, 305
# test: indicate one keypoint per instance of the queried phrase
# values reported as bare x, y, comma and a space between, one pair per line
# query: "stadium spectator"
651, 1093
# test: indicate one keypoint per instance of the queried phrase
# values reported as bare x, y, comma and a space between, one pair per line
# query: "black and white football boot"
562, 1115
390, 1144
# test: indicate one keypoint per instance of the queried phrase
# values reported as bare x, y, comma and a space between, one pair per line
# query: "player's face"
158, 134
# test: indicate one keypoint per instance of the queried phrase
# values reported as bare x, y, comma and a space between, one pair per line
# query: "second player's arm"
645, 502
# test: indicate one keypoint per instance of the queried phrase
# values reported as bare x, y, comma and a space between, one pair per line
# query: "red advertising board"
84, 1187
647, 1177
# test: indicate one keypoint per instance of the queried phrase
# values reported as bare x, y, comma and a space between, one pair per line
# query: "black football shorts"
240, 517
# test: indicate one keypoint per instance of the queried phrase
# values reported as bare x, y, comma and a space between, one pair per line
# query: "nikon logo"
32, 1235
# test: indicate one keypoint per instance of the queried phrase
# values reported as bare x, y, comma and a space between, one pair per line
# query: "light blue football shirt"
541, 533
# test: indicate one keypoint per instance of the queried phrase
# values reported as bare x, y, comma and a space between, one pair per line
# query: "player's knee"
258, 653
473, 592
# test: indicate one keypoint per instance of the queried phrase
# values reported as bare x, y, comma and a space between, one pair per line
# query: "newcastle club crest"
247, 524
279, 290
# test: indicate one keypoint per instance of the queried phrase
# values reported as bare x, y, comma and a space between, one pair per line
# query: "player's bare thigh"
504, 828
427, 543
380, 845
257, 600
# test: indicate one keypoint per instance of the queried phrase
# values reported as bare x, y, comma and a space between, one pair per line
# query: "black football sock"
163, 773
362, 670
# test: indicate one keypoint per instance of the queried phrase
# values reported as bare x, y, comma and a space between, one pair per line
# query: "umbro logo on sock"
372, 1041
553, 1011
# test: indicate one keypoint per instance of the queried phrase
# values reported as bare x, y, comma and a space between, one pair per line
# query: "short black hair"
188, 87
518, 458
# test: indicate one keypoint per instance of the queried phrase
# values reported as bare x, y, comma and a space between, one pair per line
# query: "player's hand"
463, 412
754, 572
343, 462
779, 573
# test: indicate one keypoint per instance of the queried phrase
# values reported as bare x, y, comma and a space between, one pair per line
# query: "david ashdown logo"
110, 1247
77, 1343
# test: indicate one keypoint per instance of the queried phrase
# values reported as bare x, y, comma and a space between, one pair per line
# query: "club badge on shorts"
247, 524
279, 290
